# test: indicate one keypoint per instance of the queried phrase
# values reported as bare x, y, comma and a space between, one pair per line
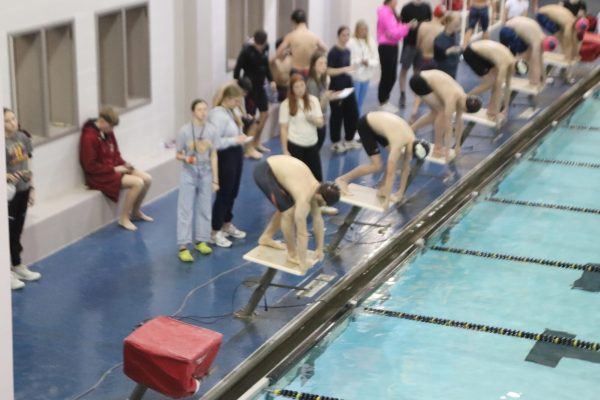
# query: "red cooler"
168, 356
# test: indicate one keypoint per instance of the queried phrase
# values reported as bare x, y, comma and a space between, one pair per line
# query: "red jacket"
98, 158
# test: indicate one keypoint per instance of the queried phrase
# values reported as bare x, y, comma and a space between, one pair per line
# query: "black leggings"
230, 174
388, 58
309, 156
345, 110
321, 133
17, 209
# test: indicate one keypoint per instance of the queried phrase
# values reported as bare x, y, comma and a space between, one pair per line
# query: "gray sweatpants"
194, 206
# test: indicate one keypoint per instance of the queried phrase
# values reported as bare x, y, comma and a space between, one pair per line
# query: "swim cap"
473, 104
549, 43
330, 192
521, 67
421, 149
582, 25
439, 11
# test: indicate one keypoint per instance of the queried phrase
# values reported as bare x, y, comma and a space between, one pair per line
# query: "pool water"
381, 357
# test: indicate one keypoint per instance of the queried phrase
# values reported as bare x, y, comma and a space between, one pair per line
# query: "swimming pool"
453, 321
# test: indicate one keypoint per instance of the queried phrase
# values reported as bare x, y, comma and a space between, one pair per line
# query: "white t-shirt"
361, 50
300, 131
515, 8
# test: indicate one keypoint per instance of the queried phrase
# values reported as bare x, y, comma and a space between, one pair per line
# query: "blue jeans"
360, 90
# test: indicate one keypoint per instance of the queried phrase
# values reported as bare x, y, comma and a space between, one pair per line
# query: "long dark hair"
293, 100
312, 72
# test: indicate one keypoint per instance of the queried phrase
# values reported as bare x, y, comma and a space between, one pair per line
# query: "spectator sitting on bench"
106, 171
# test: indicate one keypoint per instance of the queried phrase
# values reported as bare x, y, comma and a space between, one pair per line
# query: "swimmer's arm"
280, 52
458, 127
301, 211
321, 45
406, 157
318, 228
509, 72
390, 171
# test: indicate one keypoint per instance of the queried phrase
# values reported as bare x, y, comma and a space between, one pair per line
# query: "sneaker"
220, 240
185, 255
402, 99
232, 231
25, 274
338, 148
327, 210
352, 145
15, 282
389, 108
203, 248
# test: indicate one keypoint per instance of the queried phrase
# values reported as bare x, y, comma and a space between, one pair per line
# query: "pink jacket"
389, 30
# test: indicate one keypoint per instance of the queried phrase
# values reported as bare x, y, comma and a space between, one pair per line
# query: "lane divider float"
509, 257
292, 394
538, 337
586, 210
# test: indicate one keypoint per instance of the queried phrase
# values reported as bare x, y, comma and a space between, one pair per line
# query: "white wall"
55, 164
6, 356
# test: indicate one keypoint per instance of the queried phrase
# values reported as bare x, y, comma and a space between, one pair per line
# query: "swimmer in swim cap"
293, 190
379, 129
495, 64
445, 97
560, 22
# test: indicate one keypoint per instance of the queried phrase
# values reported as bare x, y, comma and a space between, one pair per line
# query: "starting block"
439, 160
557, 61
480, 117
364, 197
522, 85
276, 258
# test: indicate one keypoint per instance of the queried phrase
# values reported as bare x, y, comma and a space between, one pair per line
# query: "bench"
59, 221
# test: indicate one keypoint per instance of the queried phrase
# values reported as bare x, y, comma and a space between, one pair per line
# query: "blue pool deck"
69, 326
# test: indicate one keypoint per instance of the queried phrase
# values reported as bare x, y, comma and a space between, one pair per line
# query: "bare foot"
437, 153
293, 259
263, 149
140, 216
251, 152
343, 185
127, 224
276, 244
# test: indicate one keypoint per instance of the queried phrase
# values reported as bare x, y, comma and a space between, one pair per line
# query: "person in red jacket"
106, 171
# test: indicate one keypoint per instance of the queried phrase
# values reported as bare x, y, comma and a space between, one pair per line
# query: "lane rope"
587, 210
583, 127
566, 162
538, 337
509, 257
292, 394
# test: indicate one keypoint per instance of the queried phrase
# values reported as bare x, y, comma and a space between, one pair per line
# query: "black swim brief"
419, 85
264, 178
369, 138
478, 64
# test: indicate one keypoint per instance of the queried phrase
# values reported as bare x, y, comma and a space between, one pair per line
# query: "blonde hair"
232, 91
359, 23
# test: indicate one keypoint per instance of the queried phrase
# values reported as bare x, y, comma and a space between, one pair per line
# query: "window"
124, 57
285, 9
43, 81
244, 17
